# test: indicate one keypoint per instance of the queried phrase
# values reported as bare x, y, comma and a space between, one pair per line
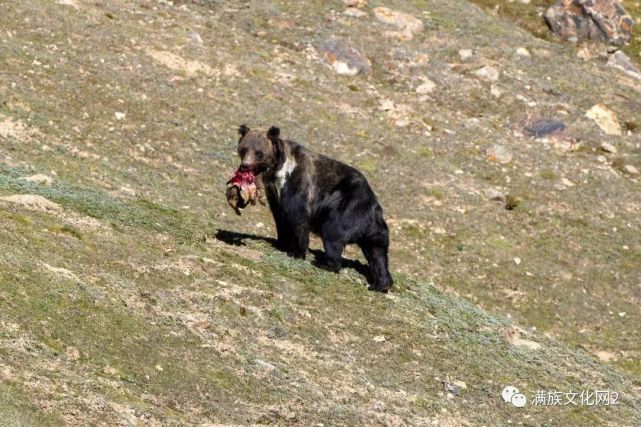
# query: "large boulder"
599, 20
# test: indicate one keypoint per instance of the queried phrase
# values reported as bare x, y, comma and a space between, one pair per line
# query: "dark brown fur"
309, 192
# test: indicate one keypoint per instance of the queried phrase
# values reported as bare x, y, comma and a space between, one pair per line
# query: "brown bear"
308, 192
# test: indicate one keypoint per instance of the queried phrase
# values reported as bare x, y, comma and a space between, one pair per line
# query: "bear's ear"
273, 133
243, 130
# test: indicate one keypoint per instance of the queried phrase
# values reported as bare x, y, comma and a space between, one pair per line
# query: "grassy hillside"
131, 294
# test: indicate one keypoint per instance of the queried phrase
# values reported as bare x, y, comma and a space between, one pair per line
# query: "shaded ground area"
120, 304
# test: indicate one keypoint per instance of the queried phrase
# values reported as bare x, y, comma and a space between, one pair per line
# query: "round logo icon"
508, 392
519, 400
512, 395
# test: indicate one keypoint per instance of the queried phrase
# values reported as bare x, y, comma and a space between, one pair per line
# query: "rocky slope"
132, 294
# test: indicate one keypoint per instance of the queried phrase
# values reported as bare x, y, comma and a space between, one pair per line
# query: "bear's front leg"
283, 233
300, 240
297, 223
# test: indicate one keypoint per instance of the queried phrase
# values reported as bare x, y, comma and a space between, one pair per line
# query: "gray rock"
407, 24
265, 365
487, 73
343, 57
604, 21
608, 148
452, 388
621, 61
498, 153
465, 54
495, 195
543, 127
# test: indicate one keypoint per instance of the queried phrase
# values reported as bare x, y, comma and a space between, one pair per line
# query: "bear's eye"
242, 152
259, 155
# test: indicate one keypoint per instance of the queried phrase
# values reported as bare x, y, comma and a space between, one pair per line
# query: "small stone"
379, 338
629, 169
109, 370
567, 182
521, 51
426, 87
605, 118
452, 388
401, 20
119, 115
513, 336
159, 368
195, 37
584, 53
439, 230
72, 353
354, 13
498, 153
460, 384
355, 3
517, 261
608, 148
71, 3
495, 195
495, 92
266, 365
465, 54
386, 105
280, 22
487, 73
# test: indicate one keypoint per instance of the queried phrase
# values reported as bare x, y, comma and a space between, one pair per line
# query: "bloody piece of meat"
242, 178
242, 189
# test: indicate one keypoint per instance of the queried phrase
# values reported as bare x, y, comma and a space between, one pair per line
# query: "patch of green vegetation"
500, 243
426, 152
22, 219
549, 174
437, 192
631, 365
512, 202
140, 212
16, 409
66, 229
414, 231
367, 165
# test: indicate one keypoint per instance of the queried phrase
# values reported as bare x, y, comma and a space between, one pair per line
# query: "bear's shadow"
238, 239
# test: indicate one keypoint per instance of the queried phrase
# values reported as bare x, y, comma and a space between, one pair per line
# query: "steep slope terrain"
131, 293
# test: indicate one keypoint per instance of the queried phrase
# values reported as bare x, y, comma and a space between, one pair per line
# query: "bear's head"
258, 150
